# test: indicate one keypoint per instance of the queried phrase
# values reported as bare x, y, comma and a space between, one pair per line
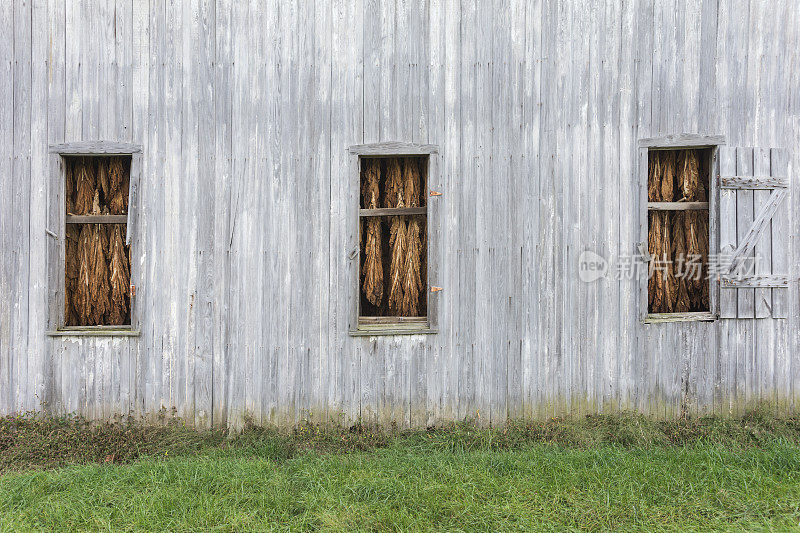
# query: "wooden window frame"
402, 325
679, 142
56, 232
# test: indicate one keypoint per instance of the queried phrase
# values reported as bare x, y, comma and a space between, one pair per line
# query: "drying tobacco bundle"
373, 252
119, 276
689, 176
117, 181
694, 224
662, 284
668, 173
655, 284
652, 245
92, 292
675, 175
71, 274
695, 229
85, 184
69, 200
97, 260
102, 179
98, 284
670, 282
394, 197
679, 254
654, 177
412, 266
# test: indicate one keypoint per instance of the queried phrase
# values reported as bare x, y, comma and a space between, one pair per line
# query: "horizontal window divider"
375, 320
677, 206
94, 331
97, 219
389, 330
699, 316
392, 211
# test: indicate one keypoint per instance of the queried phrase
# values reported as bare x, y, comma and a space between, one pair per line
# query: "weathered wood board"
248, 119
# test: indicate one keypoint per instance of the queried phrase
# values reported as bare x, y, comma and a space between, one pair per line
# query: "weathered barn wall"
245, 111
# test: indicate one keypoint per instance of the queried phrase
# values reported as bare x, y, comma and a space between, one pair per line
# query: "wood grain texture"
246, 121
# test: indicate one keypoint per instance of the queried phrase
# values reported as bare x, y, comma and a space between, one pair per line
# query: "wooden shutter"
133, 193
752, 261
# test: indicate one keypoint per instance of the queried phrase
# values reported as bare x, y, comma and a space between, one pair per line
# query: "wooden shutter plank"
713, 226
133, 189
643, 232
727, 228
779, 163
744, 219
753, 182
749, 240
763, 248
753, 282
434, 229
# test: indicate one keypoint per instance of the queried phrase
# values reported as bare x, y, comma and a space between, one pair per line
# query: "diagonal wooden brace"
760, 223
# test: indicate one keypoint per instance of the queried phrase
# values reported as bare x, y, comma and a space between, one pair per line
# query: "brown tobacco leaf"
397, 243
692, 188
654, 178
670, 290
102, 179
681, 303
653, 281
71, 274
696, 235
119, 276
393, 189
668, 172
373, 252
412, 264
83, 300
662, 285
118, 182
92, 293
69, 199
412, 275
394, 197
98, 279
85, 185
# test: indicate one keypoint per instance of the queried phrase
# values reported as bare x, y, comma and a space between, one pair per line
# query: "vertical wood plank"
744, 219
38, 359
763, 249
727, 227
779, 164
8, 285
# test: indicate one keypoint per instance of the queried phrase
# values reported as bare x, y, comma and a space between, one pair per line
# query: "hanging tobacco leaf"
681, 303
85, 184
412, 265
668, 173
373, 253
118, 182
119, 276
654, 177
397, 235
72, 235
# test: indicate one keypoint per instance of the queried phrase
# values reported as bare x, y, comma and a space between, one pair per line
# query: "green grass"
404, 487
622, 473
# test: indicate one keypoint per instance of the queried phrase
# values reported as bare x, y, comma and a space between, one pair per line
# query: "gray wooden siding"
245, 112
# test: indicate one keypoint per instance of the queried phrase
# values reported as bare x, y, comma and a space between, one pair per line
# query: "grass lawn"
459, 480
402, 487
